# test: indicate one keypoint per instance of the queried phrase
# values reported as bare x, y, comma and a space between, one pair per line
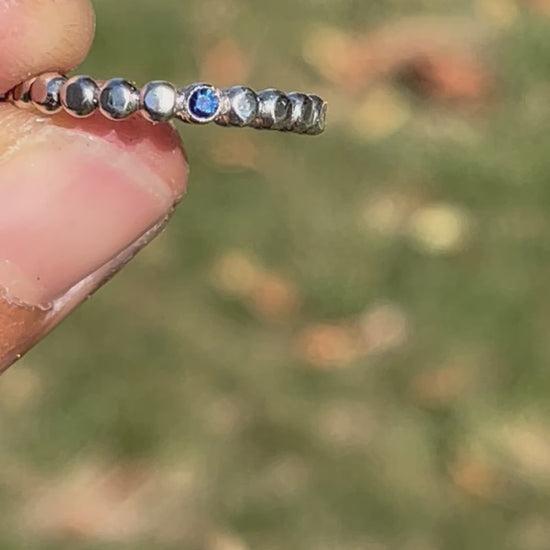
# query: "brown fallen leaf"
270, 295
236, 151
439, 388
440, 57
447, 77
539, 6
381, 329
475, 477
274, 297
225, 63
328, 346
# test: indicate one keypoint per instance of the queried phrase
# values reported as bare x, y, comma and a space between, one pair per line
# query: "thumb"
78, 198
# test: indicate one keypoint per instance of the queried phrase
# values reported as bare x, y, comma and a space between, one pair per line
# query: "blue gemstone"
204, 103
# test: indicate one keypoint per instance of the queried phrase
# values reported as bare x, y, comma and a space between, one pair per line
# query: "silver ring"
159, 101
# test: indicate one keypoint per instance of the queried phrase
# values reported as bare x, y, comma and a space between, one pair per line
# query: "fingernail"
67, 206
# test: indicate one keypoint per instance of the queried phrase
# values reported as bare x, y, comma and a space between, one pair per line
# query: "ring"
159, 101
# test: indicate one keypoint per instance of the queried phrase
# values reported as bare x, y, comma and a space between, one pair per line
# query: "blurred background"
339, 342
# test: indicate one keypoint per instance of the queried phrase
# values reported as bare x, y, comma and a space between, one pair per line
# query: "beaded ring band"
158, 101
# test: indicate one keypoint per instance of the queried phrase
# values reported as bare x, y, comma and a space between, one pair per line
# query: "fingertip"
94, 194
37, 36
156, 145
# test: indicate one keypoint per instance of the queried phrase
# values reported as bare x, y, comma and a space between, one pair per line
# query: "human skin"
78, 198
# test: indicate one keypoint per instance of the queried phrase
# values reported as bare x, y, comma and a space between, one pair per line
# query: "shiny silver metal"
20, 96
160, 101
319, 116
240, 107
45, 93
80, 96
301, 113
118, 99
274, 110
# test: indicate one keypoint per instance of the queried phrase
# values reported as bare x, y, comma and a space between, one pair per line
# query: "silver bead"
118, 99
301, 115
240, 107
20, 96
158, 101
319, 116
79, 96
45, 91
274, 110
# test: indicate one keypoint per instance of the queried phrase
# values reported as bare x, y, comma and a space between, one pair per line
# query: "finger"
37, 36
77, 200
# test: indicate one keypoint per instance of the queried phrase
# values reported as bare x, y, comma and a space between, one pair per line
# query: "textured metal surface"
274, 110
158, 101
240, 107
118, 99
80, 96
45, 93
20, 96
301, 113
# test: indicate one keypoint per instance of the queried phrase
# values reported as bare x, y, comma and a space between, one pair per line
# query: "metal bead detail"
274, 111
80, 96
45, 93
20, 96
318, 123
301, 114
158, 101
118, 99
240, 107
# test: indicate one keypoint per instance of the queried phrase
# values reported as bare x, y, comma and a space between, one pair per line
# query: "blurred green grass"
251, 426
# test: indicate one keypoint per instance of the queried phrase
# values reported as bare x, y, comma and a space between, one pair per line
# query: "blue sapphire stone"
204, 103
